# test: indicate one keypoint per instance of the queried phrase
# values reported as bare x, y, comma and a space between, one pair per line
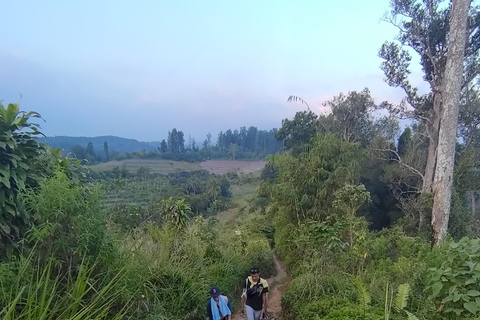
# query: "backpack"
255, 290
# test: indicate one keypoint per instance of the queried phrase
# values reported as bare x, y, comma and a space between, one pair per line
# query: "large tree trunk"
442, 192
433, 134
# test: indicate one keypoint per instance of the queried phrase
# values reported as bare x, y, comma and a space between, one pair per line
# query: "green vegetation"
348, 206
79, 255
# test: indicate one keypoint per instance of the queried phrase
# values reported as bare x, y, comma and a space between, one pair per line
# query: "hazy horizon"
139, 69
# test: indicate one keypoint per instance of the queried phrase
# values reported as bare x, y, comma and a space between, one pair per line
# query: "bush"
455, 286
69, 220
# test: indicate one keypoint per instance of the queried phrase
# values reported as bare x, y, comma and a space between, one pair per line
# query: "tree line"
243, 144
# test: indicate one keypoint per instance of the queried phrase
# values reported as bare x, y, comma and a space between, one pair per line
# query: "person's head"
255, 273
215, 293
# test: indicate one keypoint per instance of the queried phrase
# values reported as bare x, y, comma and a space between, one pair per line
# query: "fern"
411, 316
401, 299
364, 298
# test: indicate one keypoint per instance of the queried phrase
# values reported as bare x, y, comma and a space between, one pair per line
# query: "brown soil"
236, 166
277, 287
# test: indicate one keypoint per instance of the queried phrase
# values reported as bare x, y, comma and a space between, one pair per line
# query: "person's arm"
264, 297
244, 296
229, 305
209, 310
243, 305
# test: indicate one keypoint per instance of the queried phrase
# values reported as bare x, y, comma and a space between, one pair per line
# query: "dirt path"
277, 286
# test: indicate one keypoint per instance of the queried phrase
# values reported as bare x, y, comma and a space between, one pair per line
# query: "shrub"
455, 286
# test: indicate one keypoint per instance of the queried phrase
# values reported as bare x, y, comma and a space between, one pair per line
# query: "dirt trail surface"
277, 286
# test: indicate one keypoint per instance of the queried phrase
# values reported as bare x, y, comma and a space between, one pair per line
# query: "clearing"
169, 166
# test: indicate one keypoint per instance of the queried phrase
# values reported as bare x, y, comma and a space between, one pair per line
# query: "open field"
237, 166
168, 166
155, 166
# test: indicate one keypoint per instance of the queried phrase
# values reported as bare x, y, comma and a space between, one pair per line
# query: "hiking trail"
277, 287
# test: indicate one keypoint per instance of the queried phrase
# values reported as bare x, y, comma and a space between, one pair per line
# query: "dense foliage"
81, 256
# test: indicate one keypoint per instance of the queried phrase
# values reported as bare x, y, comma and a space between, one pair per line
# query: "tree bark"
433, 135
442, 186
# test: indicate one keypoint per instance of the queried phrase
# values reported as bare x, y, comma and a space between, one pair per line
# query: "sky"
137, 69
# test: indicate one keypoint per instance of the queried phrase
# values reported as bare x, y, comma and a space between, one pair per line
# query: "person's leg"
258, 314
250, 313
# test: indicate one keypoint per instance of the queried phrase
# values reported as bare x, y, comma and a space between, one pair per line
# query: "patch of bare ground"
236, 166
277, 287
169, 166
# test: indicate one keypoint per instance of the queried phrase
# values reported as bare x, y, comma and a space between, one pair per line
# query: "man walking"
254, 297
218, 306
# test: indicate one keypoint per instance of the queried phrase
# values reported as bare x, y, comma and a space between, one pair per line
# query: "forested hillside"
115, 144
246, 144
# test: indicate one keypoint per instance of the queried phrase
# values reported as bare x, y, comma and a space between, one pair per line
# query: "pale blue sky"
137, 69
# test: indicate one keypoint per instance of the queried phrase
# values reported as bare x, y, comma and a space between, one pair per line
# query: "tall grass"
37, 293
84, 266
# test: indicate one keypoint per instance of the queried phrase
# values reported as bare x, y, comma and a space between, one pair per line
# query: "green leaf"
472, 307
473, 293
5, 228
437, 274
5, 181
456, 296
470, 264
436, 288
402, 296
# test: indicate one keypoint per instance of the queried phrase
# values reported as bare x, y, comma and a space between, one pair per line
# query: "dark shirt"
255, 292
209, 307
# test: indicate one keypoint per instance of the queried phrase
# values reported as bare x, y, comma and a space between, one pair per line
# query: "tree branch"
399, 160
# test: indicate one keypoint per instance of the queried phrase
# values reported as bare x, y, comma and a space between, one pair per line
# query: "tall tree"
208, 141
78, 151
298, 131
403, 141
90, 153
176, 141
351, 116
163, 146
232, 150
443, 178
424, 27
105, 151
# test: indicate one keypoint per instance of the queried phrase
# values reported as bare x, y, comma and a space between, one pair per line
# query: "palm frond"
295, 99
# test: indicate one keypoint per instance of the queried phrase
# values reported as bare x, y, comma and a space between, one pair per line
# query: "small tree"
175, 212
18, 152
105, 150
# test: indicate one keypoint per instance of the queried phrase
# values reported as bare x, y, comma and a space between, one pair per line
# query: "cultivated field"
168, 166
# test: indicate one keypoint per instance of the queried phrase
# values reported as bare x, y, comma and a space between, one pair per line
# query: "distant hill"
117, 144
